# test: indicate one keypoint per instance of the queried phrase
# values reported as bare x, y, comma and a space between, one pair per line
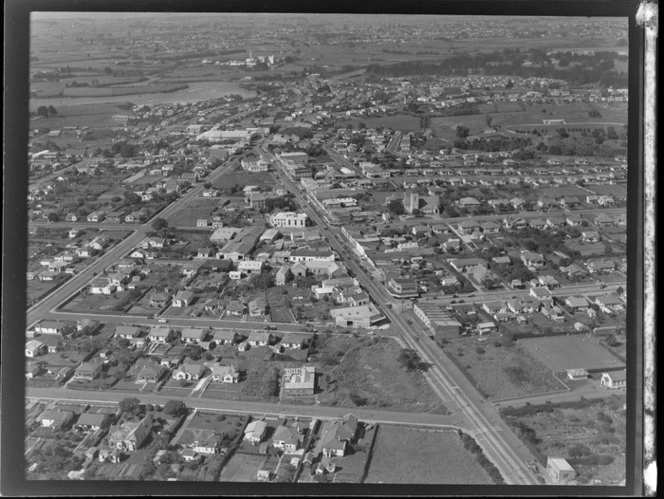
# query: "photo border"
15, 241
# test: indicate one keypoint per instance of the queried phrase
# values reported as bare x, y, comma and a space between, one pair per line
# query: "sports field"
560, 353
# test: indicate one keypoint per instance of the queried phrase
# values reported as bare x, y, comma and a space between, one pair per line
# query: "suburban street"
46, 307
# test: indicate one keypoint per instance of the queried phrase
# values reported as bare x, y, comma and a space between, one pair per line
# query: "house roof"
89, 419
195, 333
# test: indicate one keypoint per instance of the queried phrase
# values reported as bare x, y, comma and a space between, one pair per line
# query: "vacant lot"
559, 353
501, 372
198, 208
590, 434
435, 457
369, 375
242, 179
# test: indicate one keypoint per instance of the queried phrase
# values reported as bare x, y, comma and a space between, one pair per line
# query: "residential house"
294, 341
573, 270
189, 372
614, 380
601, 266
257, 307
89, 370
339, 435
183, 299
255, 431
150, 373
92, 422
299, 382
532, 260
102, 286
259, 338
200, 441
129, 436
193, 334
160, 334
287, 439
159, 300
54, 327
55, 420
224, 336
35, 348
577, 303
128, 332
225, 374
590, 236
610, 304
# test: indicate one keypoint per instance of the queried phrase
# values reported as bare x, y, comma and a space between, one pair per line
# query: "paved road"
257, 408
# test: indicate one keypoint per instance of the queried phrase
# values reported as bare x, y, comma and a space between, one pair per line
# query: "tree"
396, 207
175, 408
488, 118
52, 111
462, 132
410, 359
159, 224
42, 111
130, 404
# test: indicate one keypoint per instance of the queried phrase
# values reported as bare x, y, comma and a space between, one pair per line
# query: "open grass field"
434, 457
370, 376
197, 208
559, 353
242, 179
581, 432
501, 372
93, 114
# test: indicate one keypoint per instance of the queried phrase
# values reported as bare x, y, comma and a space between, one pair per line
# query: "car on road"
163, 321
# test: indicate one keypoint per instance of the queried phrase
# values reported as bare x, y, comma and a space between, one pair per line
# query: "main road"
255, 408
499, 443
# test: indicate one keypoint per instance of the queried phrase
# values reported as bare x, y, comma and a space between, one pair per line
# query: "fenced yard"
440, 458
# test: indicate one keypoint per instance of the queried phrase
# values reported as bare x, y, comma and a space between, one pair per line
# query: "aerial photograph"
327, 248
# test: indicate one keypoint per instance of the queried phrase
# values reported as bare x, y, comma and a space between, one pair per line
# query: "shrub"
480, 350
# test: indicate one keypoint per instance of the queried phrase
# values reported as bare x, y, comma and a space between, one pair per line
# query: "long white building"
289, 219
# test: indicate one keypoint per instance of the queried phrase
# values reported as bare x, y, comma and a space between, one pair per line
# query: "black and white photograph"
328, 252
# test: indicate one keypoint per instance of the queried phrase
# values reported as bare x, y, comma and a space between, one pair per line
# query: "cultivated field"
440, 458
559, 353
590, 434
501, 372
